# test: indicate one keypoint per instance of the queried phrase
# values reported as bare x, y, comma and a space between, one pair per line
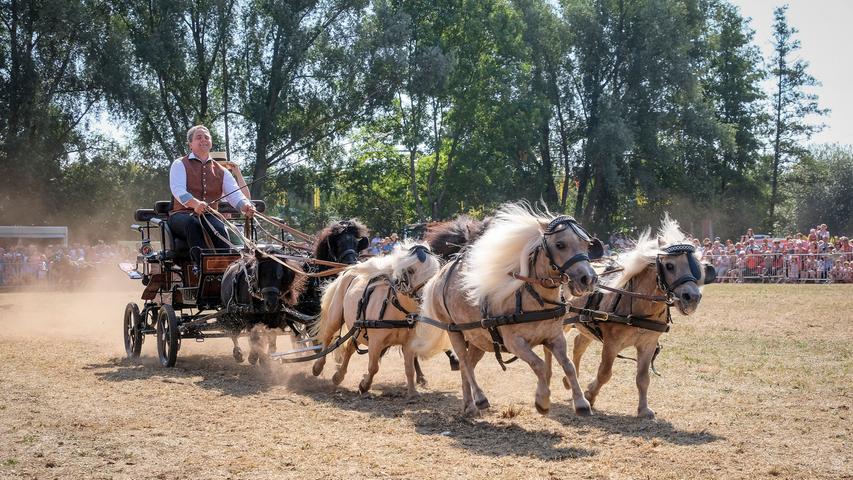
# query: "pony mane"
321, 244
447, 238
389, 264
648, 248
505, 247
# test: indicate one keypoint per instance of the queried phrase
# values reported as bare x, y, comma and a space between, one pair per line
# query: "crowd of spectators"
381, 246
22, 265
815, 257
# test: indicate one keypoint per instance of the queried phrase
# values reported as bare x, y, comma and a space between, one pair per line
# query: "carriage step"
296, 351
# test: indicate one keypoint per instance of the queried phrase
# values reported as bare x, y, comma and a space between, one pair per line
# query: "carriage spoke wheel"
168, 336
132, 331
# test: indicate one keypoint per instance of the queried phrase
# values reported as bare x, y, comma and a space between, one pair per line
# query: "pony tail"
331, 308
429, 340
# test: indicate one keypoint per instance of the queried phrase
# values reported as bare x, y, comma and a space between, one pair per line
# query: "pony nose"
587, 281
686, 297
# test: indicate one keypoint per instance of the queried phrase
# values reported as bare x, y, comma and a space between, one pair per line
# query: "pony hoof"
589, 398
317, 369
363, 389
646, 413
471, 411
483, 404
422, 381
253, 358
583, 411
412, 397
238, 356
338, 377
542, 410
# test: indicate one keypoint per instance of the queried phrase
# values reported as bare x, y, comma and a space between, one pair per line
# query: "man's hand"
200, 207
248, 210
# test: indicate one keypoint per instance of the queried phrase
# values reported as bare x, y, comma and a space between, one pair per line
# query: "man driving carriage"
197, 182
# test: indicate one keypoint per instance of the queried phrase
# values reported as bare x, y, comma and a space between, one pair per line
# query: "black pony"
254, 289
340, 242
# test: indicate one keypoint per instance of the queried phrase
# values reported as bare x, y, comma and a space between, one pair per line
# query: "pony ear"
710, 274
363, 243
596, 249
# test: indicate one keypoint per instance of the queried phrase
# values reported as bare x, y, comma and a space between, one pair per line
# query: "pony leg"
409, 359
272, 338
374, 353
644, 361
581, 343
419, 374
236, 352
549, 360
605, 371
346, 354
558, 348
480, 400
457, 340
521, 349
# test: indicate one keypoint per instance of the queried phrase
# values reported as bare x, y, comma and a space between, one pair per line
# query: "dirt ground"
757, 384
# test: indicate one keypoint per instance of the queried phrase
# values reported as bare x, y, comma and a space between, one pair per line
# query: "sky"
825, 37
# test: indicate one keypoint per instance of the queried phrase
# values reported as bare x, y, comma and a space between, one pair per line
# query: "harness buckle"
599, 316
551, 282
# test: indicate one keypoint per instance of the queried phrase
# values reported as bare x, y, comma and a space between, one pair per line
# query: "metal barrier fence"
783, 267
20, 271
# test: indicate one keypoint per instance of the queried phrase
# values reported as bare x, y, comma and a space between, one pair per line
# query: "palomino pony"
510, 280
253, 290
382, 291
661, 271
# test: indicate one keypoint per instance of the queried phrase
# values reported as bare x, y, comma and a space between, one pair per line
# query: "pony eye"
670, 267
560, 245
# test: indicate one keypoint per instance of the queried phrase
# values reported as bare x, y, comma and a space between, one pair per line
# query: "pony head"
341, 242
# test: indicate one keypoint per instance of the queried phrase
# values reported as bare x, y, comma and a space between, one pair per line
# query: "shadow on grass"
438, 413
630, 426
217, 372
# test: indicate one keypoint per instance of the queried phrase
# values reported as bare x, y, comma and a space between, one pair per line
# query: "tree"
817, 190
303, 77
791, 104
158, 67
46, 92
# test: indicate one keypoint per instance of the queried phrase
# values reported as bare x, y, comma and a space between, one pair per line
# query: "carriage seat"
175, 247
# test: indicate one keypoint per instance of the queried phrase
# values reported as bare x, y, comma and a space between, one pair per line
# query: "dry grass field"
757, 384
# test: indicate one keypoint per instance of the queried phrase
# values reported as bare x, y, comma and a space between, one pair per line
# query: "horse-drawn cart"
182, 300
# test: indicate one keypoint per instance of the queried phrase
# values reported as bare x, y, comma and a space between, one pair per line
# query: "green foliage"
817, 190
403, 111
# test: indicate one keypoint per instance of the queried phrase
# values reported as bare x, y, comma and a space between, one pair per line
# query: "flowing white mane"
393, 263
504, 247
648, 248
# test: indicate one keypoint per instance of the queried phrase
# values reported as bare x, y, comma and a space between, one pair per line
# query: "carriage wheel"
168, 336
132, 331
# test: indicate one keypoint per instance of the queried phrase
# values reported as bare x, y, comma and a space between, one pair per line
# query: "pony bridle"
695, 269
403, 285
558, 225
335, 257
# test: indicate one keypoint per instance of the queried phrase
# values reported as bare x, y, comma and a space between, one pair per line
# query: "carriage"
182, 301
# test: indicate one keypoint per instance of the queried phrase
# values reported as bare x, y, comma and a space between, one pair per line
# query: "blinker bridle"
674, 251
403, 285
558, 225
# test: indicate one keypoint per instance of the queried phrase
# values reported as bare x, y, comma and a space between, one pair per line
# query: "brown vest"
204, 182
